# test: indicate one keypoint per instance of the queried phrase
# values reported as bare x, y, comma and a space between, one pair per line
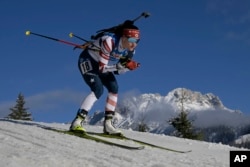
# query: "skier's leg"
110, 83
76, 124
95, 84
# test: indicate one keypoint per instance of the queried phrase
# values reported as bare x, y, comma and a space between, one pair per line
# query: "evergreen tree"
182, 124
19, 112
142, 126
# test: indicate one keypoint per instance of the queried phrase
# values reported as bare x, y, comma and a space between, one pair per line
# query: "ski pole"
89, 42
73, 35
54, 39
83, 46
144, 14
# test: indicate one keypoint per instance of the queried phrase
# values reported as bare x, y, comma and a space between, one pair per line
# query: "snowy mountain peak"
193, 100
156, 109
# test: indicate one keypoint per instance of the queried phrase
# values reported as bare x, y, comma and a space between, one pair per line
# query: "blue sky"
203, 46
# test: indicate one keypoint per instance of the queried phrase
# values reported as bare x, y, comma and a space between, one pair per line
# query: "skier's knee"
98, 92
114, 89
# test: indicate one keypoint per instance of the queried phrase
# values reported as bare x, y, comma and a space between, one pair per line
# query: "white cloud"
44, 101
220, 117
51, 99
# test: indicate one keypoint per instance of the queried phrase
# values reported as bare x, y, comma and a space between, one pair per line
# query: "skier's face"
129, 43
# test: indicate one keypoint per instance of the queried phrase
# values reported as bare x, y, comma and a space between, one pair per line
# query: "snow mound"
27, 144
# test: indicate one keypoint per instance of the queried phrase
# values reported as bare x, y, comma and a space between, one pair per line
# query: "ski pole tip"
71, 35
27, 33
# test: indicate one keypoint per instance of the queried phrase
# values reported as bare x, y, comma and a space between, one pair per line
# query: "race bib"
86, 66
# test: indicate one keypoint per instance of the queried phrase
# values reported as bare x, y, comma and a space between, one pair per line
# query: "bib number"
86, 66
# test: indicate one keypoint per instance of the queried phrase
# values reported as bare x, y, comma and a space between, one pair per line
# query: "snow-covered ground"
26, 144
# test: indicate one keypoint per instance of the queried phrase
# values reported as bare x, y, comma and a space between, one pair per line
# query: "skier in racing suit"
94, 66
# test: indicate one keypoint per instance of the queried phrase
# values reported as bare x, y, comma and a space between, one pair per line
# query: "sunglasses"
133, 40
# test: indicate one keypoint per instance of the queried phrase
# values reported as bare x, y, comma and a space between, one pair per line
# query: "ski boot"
77, 123
108, 127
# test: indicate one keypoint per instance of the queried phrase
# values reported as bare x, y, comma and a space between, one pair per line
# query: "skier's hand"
124, 61
124, 67
132, 65
121, 69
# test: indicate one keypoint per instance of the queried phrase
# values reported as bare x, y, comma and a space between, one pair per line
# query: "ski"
120, 136
95, 138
